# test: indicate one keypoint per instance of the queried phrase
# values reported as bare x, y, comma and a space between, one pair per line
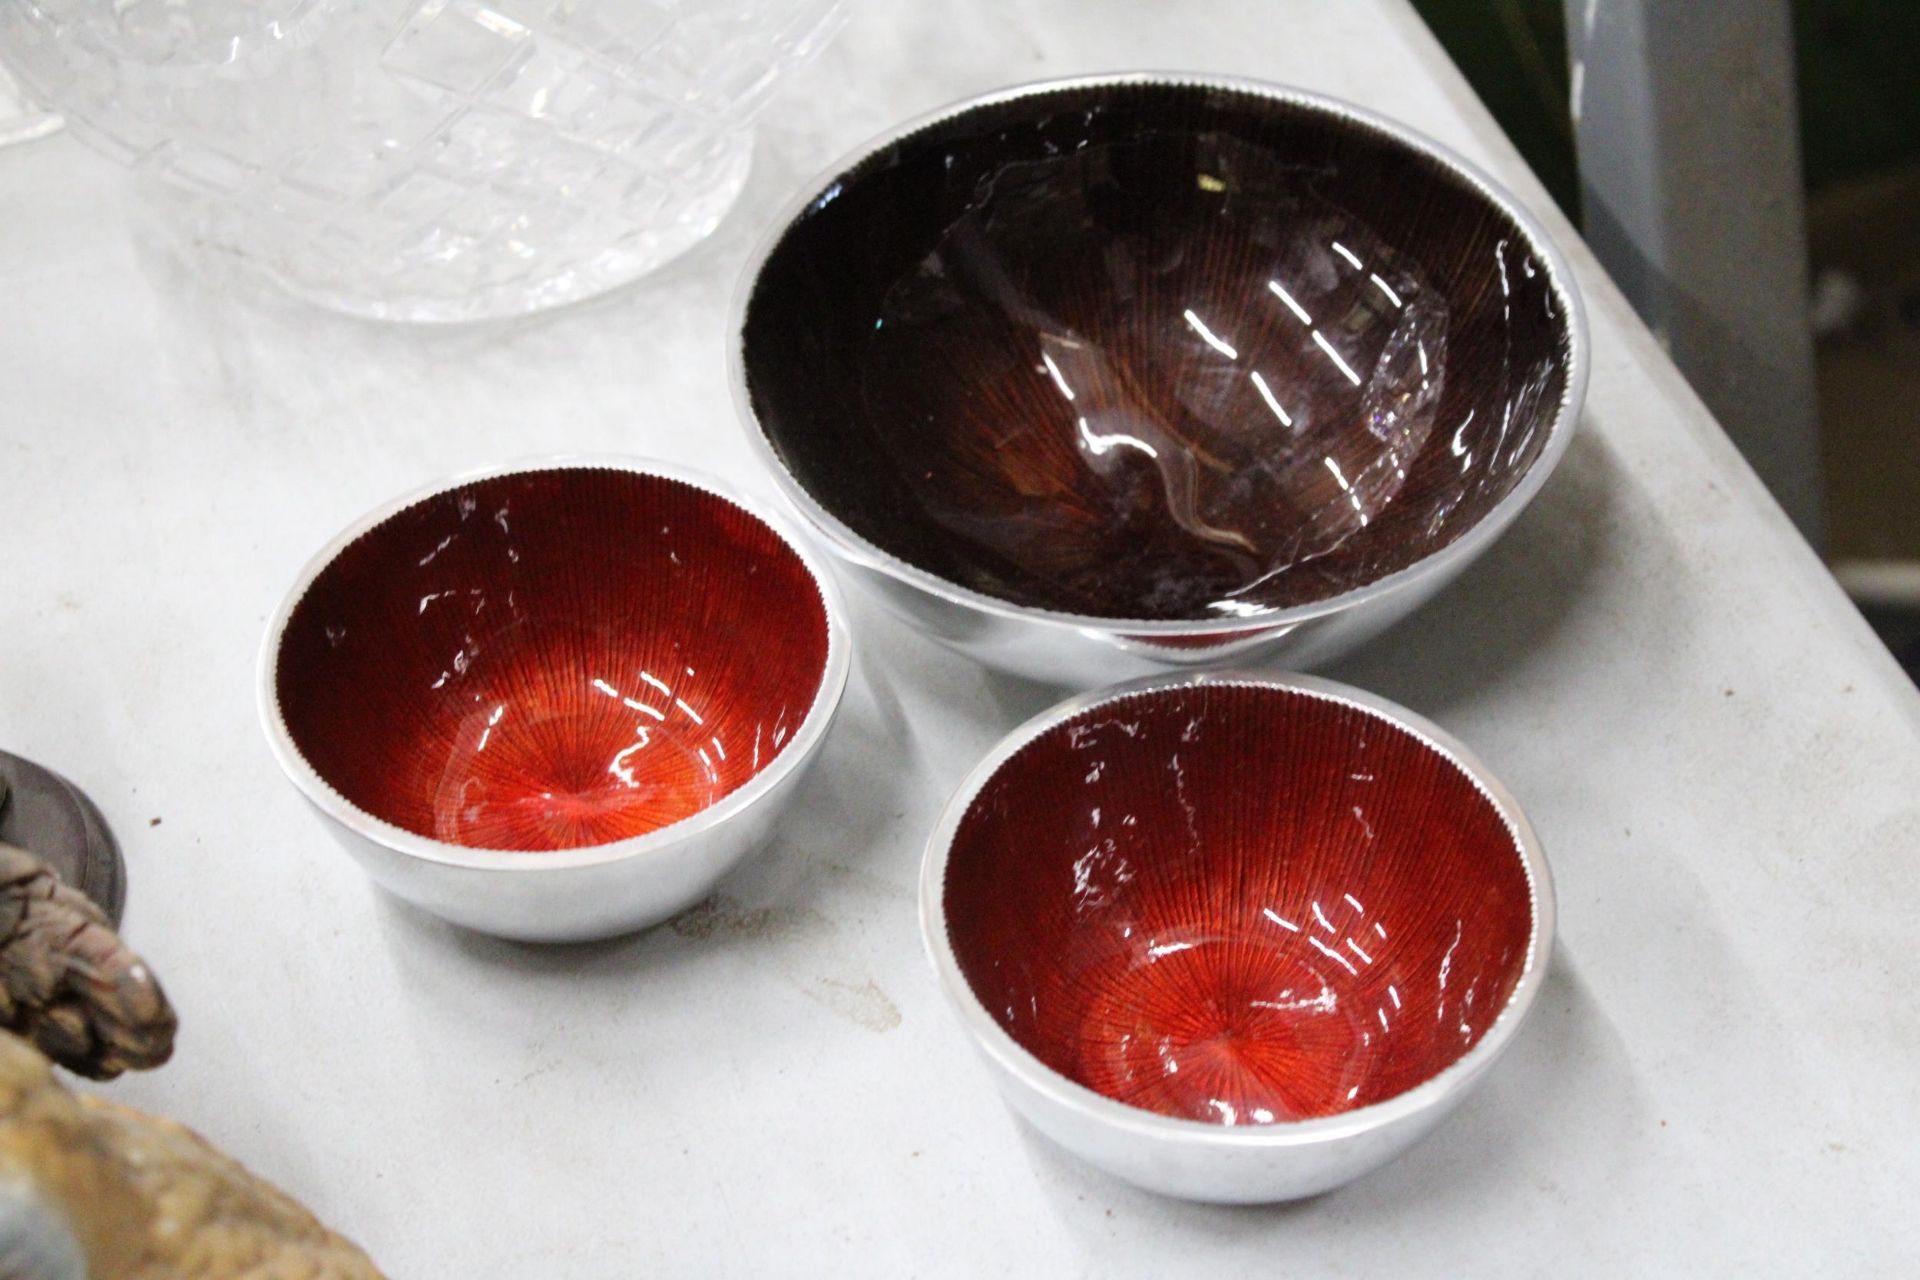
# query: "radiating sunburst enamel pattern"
1155, 352
553, 659
1238, 903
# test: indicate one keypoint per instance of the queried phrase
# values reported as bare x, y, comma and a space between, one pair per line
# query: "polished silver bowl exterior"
570, 895
1085, 652
1190, 1159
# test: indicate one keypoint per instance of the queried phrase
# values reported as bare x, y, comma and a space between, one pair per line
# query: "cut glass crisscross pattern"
427, 159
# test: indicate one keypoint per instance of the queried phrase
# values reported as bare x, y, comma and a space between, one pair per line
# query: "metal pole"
1691, 193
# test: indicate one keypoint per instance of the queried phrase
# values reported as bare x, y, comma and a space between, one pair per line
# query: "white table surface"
1722, 1075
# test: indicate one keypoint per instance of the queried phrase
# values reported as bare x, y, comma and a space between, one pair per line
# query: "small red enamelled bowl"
1237, 938
558, 700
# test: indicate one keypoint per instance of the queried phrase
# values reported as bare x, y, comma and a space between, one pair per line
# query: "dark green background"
1859, 86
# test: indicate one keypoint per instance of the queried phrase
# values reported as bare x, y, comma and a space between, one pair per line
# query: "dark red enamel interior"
1238, 904
552, 659
1155, 352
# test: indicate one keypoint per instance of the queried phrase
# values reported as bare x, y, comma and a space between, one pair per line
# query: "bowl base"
568, 780
1228, 1030
483, 282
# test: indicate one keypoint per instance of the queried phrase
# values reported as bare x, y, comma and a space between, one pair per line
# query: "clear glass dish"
431, 160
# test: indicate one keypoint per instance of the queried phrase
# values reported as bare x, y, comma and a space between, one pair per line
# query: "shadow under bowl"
1236, 938
1169, 364
555, 701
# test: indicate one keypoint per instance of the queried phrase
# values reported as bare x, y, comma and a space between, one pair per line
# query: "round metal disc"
52, 819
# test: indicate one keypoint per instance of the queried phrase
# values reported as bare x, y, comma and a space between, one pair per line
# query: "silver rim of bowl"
1463, 548
826, 701
1446, 1084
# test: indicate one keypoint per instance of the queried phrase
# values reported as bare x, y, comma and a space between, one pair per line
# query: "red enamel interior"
1238, 904
1156, 351
552, 659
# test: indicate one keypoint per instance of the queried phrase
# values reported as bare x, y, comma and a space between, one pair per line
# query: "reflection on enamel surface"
601, 654
1314, 911
1155, 352
1162, 370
